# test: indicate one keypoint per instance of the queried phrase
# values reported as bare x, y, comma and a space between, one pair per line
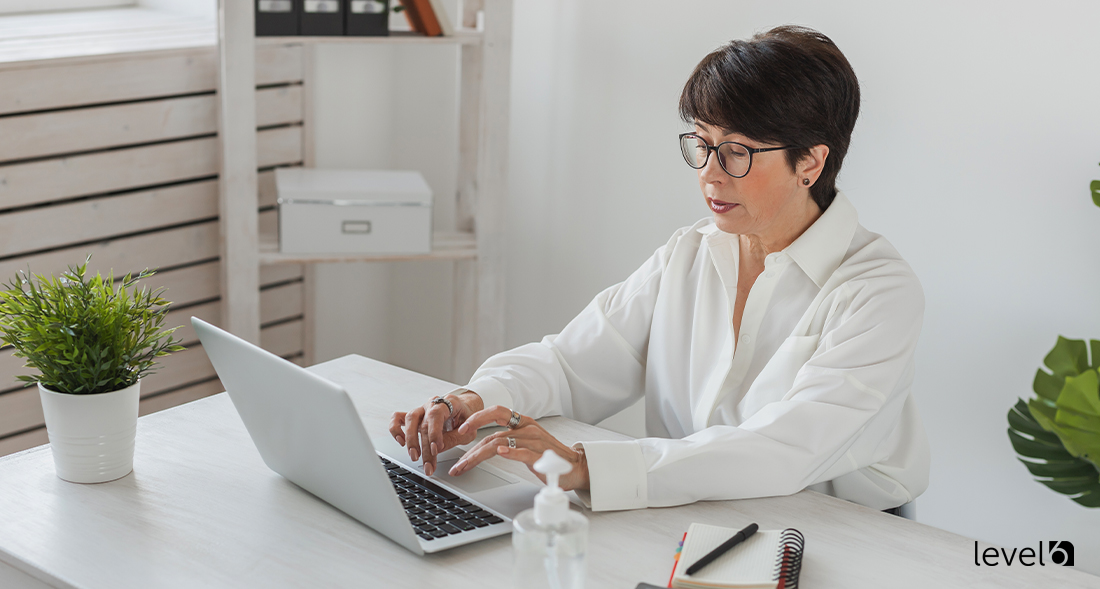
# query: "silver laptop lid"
307, 430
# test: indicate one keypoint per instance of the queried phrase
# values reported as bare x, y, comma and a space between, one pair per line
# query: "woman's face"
765, 202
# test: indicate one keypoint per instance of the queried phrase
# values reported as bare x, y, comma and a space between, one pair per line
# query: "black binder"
322, 18
370, 18
276, 18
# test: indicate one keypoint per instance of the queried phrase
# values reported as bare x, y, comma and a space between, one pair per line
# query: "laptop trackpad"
473, 481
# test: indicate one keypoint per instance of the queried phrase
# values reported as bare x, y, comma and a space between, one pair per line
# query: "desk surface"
202, 510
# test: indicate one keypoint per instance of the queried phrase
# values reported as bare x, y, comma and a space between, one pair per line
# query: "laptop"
306, 428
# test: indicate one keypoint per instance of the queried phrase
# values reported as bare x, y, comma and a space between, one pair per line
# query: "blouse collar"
820, 250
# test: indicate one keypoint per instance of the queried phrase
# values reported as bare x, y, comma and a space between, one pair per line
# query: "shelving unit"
475, 245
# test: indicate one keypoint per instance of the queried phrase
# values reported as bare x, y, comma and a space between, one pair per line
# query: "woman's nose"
712, 171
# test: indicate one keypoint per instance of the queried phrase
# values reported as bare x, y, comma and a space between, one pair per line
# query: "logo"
1056, 553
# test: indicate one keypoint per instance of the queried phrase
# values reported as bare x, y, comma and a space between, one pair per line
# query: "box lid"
352, 187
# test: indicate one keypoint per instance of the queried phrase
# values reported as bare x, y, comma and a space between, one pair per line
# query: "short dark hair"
789, 86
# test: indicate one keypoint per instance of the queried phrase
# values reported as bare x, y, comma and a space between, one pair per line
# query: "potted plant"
91, 341
1057, 434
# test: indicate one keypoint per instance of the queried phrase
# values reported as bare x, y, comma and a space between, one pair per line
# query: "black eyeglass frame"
715, 148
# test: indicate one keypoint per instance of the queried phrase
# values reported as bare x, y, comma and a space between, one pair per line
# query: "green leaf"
1095, 186
1035, 448
1094, 353
1060, 468
1044, 454
1068, 358
1047, 385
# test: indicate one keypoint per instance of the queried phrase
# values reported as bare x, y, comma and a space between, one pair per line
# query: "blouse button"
769, 274
745, 339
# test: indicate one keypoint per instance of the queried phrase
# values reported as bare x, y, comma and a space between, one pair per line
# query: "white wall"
979, 134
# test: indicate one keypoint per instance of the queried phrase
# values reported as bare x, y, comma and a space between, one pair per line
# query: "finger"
396, 423
429, 458
497, 414
484, 450
528, 457
433, 421
411, 431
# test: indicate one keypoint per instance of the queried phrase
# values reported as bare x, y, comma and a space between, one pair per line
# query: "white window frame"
23, 6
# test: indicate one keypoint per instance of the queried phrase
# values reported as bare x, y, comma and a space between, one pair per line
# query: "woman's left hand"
531, 440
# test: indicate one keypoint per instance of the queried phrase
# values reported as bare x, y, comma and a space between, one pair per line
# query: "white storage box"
353, 211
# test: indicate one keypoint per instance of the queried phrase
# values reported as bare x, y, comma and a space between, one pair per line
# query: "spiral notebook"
769, 559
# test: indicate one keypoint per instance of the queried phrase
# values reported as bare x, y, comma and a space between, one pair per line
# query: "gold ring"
511, 443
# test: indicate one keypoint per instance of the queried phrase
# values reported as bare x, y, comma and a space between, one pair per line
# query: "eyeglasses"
735, 158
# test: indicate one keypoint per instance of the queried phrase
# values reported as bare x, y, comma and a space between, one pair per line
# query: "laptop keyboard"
433, 511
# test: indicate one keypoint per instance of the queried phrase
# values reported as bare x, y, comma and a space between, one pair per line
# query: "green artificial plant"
85, 335
1057, 434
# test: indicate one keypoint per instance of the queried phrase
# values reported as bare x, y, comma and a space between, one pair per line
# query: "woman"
773, 343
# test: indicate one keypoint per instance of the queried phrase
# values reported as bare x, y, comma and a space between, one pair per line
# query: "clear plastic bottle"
550, 541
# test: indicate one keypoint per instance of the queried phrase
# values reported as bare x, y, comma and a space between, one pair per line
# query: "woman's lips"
720, 207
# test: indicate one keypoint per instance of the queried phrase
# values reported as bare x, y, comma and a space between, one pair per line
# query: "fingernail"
456, 469
401, 440
503, 450
464, 428
434, 451
429, 469
415, 455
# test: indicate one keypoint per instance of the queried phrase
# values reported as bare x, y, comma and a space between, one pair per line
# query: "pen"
737, 538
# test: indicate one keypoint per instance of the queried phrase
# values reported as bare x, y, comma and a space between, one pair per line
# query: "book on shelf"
428, 17
769, 559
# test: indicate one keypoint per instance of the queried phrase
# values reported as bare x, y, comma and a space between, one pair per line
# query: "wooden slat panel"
37, 86
268, 196
55, 179
278, 106
23, 441
283, 339
102, 218
187, 285
269, 226
20, 410
281, 302
281, 146
173, 247
179, 397
89, 129
208, 312
280, 273
278, 64
190, 365
131, 77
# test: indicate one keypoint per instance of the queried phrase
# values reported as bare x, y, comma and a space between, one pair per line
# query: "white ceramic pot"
92, 436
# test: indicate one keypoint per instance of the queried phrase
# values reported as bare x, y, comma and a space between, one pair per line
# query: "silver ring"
450, 407
511, 443
513, 423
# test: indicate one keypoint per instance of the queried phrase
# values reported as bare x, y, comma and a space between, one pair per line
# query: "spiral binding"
788, 566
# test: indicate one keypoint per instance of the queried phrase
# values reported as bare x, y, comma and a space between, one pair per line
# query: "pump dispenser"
550, 541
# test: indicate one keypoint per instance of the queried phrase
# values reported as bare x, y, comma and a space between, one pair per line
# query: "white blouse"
815, 392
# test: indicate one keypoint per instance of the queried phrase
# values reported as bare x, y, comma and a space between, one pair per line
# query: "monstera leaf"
1057, 434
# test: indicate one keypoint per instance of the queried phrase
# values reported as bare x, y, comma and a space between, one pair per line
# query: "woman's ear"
810, 166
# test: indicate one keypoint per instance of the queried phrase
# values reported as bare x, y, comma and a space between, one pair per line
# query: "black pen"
737, 538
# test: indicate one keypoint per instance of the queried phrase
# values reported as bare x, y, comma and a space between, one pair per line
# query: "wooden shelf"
445, 246
465, 37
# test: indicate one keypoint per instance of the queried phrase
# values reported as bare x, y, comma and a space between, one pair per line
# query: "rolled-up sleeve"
591, 370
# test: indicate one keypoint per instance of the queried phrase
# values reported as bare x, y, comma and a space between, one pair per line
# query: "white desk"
202, 510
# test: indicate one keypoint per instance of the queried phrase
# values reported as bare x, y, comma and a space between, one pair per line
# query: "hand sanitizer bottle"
550, 540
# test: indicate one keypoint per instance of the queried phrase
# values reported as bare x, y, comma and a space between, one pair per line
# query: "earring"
806, 181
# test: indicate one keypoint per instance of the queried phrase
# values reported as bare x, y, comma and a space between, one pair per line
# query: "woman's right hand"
431, 428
